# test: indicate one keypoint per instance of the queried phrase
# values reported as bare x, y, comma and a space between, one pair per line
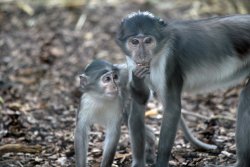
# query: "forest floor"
41, 56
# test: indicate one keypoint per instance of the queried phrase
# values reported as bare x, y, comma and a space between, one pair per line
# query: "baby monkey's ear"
84, 80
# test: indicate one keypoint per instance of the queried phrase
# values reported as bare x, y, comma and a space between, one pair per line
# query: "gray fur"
193, 56
96, 108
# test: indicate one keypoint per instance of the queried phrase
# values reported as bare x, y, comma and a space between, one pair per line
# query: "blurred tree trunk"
246, 4
242, 6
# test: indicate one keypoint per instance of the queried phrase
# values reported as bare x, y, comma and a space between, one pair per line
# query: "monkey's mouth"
112, 94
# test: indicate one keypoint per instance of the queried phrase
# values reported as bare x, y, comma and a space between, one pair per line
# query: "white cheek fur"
131, 66
157, 73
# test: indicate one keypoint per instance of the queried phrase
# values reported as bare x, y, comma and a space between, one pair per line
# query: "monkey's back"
219, 49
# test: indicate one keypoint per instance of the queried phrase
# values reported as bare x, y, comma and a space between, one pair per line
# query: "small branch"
183, 111
80, 22
25, 7
19, 148
122, 156
20, 164
83, 17
222, 117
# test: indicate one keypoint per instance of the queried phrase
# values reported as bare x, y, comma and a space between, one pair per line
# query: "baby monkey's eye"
107, 79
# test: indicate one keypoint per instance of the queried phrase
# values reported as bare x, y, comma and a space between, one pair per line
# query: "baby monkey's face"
109, 82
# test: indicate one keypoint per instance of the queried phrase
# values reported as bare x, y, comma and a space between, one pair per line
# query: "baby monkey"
106, 100
109, 98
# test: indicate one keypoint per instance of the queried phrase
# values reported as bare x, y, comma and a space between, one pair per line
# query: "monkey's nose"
114, 87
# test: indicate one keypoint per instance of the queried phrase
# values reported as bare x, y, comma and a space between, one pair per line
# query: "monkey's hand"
140, 72
138, 75
140, 91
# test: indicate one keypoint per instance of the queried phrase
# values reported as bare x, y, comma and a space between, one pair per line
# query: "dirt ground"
41, 56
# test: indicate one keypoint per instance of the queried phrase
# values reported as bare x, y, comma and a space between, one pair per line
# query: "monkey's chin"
112, 95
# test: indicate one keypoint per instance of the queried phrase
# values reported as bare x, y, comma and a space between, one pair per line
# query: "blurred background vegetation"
194, 8
43, 46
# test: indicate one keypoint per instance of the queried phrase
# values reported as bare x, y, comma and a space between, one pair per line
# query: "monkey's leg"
81, 143
137, 134
193, 140
111, 140
150, 145
243, 128
170, 120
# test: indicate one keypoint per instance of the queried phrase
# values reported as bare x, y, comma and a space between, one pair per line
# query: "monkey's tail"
193, 140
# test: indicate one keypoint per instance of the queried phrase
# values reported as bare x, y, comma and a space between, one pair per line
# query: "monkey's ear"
83, 80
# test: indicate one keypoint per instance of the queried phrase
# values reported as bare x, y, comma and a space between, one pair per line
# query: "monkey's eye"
148, 40
134, 41
115, 77
107, 79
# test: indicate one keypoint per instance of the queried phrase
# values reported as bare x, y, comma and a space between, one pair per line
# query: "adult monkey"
191, 56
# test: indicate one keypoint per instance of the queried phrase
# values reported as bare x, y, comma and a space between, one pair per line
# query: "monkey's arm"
111, 140
139, 90
193, 140
137, 134
135, 122
81, 141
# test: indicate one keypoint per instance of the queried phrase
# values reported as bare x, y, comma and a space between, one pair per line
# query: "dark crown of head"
143, 13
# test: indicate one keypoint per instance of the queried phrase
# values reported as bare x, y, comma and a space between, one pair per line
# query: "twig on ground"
19, 148
207, 118
223, 117
183, 111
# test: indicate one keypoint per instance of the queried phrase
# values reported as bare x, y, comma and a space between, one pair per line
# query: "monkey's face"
140, 35
109, 84
141, 48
